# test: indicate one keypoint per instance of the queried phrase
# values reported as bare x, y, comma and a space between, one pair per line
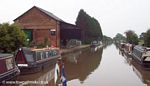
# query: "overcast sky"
115, 16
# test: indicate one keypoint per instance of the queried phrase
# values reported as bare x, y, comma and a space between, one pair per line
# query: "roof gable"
43, 11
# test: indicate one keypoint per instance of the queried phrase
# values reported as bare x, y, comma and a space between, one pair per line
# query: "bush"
11, 37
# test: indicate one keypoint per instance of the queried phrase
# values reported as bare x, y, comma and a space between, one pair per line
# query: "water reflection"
72, 57
127, 58
80, 64
107, 45
43, 78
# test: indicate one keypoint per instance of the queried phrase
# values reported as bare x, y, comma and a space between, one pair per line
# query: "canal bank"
68, 50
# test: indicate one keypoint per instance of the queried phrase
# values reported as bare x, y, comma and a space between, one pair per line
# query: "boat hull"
9, 75
141, 61
8, 68
38, 66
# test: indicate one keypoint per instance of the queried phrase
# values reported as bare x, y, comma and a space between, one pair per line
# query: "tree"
11, 37
89, 26
119, 38
141, 38
131, 37
147, 38
107, 40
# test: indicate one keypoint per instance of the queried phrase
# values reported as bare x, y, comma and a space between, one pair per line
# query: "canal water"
93, 67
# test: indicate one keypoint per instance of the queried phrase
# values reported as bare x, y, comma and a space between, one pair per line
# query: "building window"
53, 32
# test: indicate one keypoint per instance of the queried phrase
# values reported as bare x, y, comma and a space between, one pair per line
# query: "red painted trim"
20, 56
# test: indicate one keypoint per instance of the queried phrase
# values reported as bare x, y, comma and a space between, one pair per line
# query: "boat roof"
44, 49
39, 49
5, 55
140, 48
148, 48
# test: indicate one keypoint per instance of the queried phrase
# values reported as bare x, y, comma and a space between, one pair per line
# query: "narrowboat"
121, 46
128, 48
143, 75
34, 60
8, 68
142, 55
95, 44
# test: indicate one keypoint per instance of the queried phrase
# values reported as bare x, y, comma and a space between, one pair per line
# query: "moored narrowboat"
96, 44
122, 46
8, 68
34, 60
142, 74
142, 55
128, 48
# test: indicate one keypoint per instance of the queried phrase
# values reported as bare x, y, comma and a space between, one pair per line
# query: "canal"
93, 67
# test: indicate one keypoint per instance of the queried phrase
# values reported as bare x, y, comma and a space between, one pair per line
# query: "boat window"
9, 63
38, 55
137, 53
45, 54
55, 52
50, 53
28, 55
42, 55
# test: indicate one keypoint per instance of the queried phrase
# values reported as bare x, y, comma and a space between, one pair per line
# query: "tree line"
132, 38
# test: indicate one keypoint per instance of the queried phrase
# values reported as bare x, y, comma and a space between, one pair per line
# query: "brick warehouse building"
40, 24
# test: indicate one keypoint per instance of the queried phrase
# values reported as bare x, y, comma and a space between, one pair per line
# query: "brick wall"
41, 24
